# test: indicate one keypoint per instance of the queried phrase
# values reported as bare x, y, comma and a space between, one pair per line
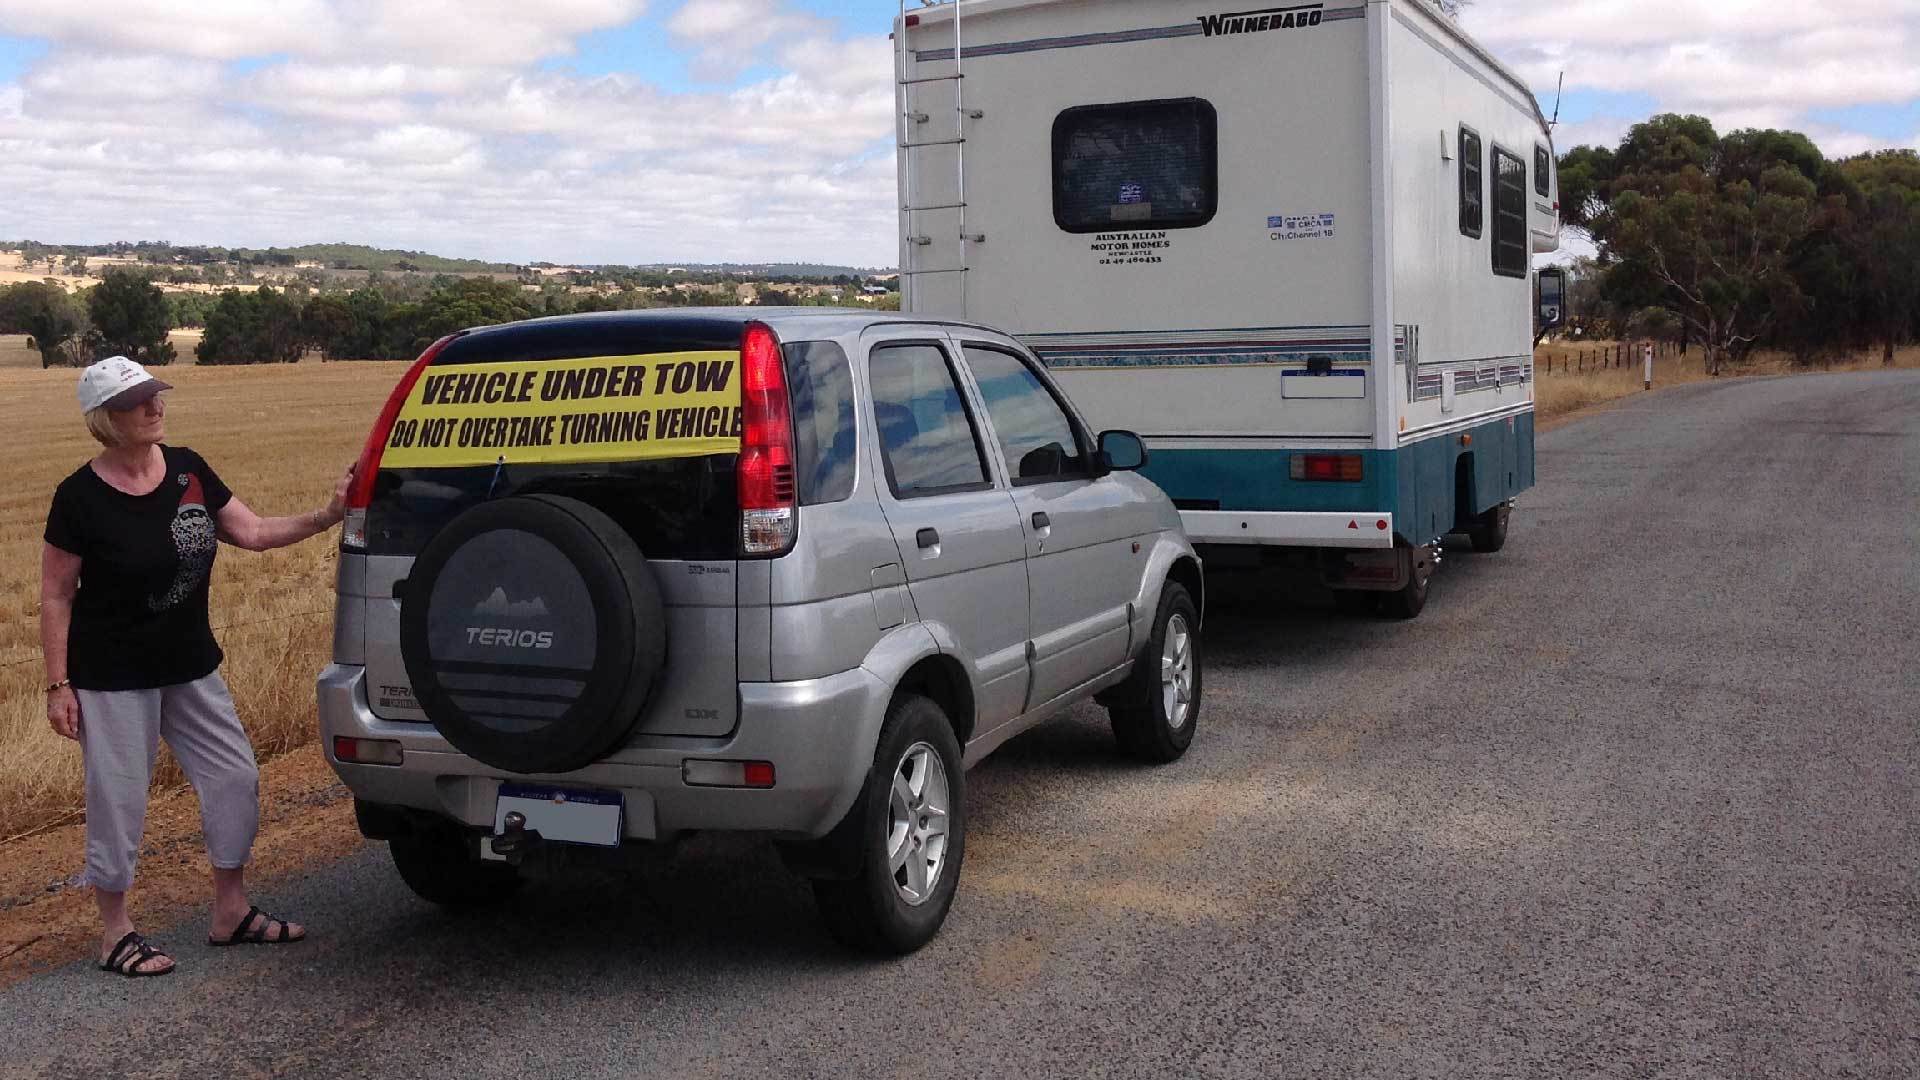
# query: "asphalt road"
1635, 797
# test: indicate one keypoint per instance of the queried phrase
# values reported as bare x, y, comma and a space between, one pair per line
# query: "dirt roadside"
306, 823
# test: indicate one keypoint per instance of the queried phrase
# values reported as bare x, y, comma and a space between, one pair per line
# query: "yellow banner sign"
597, 408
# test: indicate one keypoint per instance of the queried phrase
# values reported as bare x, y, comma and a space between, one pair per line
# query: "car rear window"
820, 387
675, 508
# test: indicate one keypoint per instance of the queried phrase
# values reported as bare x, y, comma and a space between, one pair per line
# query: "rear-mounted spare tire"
532, 630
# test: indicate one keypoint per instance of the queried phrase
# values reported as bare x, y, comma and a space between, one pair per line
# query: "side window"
820, 386
1472, 185
1542, 170
926, 437
1035, 434
1509, 214
1138, 165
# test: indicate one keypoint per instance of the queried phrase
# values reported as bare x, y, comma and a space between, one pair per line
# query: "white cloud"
430, 124
730, 36
1741, 63
107, 79
467, 32
480, 32
218, 29
430, 133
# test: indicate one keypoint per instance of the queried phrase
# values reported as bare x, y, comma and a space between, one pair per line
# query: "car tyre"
1154, 720
1408, 601
1489, 532
442, 867
908, 832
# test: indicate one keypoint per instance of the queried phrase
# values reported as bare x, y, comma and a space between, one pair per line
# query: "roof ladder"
910, 121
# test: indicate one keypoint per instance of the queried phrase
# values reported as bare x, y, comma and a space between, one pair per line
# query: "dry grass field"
1566, 389
15, 354
279, 436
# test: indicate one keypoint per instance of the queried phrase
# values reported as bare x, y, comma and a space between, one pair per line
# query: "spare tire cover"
533, 631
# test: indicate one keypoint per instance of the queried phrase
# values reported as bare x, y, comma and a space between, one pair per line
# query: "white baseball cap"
116, 383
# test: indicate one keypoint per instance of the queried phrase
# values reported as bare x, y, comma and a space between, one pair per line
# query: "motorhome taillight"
766, 478
1345, 467
353, 534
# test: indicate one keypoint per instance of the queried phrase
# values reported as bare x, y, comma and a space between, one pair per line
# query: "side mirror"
1122, 451
1551, 296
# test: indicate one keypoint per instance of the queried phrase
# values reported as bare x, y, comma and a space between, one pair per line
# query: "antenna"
1557, 90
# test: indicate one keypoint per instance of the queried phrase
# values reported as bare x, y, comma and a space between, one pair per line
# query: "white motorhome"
1291, 246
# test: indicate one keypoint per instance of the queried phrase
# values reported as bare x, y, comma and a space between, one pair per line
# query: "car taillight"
766, 445
353, 534
1348, 467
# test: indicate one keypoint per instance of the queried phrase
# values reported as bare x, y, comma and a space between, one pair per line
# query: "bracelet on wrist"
61, 685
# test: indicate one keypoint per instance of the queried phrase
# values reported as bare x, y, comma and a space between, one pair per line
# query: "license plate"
564, 815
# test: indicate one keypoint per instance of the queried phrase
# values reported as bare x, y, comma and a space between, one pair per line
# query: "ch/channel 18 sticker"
1300, 227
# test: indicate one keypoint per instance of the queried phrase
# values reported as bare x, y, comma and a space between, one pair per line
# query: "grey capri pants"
120, 733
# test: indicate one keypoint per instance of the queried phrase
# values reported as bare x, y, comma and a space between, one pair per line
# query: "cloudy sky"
669, 130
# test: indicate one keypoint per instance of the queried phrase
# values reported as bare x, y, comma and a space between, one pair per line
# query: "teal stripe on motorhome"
1417, 482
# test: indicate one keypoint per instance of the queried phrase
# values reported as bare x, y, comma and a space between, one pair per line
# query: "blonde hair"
100, 425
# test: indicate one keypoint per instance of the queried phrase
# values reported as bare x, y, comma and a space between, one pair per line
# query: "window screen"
1035, 434
1542, 170
1472, 186
1139, 165
1509, 214
926, 437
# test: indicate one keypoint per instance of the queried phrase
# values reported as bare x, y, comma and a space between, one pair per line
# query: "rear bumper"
1289, 528
819, 734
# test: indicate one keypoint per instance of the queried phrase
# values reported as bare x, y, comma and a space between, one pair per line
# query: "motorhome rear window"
1136, 165
1509, 214
1542, 170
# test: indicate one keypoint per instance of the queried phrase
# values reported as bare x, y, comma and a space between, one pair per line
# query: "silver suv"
616, 578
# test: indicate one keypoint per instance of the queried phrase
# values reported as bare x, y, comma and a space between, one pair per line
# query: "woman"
131, 658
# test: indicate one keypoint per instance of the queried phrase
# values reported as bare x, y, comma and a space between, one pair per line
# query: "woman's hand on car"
63, 713
337, 508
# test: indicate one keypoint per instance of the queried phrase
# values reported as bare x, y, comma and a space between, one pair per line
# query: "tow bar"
516, 840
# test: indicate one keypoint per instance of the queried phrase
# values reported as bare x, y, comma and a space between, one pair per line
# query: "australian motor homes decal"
1297, 17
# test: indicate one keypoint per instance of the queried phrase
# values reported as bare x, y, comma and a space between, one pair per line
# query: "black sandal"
252, 930
131, 952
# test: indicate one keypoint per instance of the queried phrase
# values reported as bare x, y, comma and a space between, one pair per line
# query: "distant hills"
362, 257
341, 256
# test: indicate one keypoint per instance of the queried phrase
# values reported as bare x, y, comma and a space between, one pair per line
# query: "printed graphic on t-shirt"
194, 542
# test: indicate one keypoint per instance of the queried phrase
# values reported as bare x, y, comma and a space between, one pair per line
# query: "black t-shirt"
140, 617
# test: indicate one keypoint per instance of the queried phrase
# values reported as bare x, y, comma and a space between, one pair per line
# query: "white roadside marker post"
1647, 352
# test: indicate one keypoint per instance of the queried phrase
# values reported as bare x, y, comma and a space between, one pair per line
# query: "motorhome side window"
1137, 165
1542, 170
1509, 214
927, 438
1472, 185
1035, 434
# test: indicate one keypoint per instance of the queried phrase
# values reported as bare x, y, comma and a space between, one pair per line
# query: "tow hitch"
515, 839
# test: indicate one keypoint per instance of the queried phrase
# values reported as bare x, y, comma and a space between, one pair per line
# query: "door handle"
927, 538
1041, 520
